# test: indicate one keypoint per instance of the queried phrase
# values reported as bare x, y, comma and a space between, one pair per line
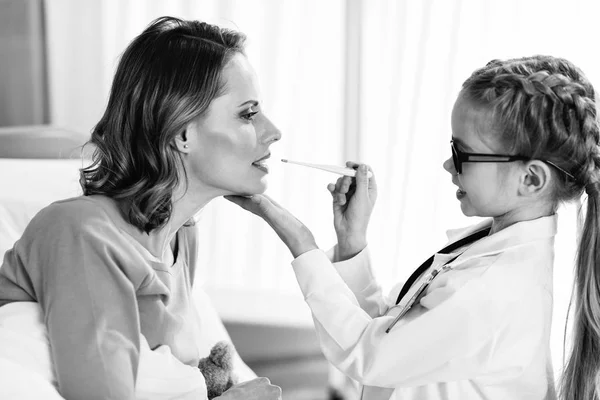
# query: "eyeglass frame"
459, 157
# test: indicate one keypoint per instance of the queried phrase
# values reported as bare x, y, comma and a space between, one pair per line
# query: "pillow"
27, 186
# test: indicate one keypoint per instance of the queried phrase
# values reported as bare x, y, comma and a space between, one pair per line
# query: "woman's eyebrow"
254, 103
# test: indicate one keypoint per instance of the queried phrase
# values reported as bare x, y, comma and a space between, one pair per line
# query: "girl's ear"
536, 178
181, 142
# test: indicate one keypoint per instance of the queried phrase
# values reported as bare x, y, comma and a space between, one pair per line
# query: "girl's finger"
346, 182
351, 190
247, 203
362, 181
338, 184
331, 187
269, 199
372, 182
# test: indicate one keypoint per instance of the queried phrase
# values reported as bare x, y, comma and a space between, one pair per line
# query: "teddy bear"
217, 369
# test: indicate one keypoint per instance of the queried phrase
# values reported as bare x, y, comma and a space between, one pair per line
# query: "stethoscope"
446, 266
424, 285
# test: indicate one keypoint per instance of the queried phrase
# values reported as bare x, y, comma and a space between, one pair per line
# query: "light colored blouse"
99, 288
480, 331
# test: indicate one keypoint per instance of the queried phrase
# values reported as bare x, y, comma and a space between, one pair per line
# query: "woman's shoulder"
77, 214
90, 222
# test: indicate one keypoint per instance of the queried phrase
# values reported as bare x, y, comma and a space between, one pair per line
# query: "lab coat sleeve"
358, 275
445, 343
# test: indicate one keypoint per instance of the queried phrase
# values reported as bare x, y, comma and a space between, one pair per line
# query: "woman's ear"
536, 178
181, 142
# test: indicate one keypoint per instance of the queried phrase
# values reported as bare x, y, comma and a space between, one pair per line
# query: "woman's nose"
270, 132
449, 166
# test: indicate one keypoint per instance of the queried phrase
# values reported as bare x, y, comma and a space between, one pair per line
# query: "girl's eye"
250, 115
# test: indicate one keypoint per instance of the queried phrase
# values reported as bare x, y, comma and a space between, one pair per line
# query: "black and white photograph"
299, 200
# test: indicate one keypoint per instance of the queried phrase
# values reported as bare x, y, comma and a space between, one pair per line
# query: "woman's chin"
260, 187
249, 190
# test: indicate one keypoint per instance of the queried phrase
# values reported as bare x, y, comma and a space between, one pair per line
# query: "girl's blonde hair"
544, 108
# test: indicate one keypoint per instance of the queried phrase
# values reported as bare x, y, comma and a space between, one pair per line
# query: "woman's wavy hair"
166, 78
545, 108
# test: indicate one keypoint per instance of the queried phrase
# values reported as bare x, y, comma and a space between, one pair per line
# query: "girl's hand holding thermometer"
353, 202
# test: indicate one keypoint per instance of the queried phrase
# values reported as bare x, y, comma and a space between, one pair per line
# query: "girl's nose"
449, 166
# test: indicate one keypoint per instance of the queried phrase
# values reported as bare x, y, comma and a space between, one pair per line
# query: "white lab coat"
481, 331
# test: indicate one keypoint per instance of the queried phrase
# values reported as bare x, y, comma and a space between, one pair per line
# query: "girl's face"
229, 145
484, 189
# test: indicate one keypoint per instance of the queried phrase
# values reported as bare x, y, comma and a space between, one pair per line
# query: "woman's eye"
250, 115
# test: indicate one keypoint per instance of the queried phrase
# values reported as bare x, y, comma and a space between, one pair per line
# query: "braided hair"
544, 108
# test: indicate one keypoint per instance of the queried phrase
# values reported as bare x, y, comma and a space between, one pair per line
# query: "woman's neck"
185, 204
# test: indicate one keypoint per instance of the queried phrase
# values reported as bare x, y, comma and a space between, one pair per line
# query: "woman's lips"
262, 165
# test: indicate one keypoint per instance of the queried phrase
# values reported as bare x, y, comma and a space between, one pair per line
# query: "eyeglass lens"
457, 164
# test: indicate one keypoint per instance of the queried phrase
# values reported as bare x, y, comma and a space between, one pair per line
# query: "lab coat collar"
515, 235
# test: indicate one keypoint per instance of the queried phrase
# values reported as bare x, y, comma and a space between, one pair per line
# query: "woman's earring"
185, 146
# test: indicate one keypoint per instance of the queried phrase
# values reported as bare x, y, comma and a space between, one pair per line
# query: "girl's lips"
460, 194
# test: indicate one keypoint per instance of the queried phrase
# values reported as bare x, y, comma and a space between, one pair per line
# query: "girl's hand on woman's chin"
296, 236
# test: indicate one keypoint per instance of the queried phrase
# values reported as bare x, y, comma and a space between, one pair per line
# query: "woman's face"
484, 189
229, 144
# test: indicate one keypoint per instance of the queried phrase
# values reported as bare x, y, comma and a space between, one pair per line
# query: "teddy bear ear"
220, 355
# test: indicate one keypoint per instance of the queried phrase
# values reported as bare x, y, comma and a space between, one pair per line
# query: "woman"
113, 270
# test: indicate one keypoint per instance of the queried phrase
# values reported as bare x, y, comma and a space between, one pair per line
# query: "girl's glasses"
460, 157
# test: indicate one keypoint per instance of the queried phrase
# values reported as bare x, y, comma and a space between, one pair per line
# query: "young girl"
473, 322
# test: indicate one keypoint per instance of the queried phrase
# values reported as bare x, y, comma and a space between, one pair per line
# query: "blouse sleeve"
89, 304
433, 347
